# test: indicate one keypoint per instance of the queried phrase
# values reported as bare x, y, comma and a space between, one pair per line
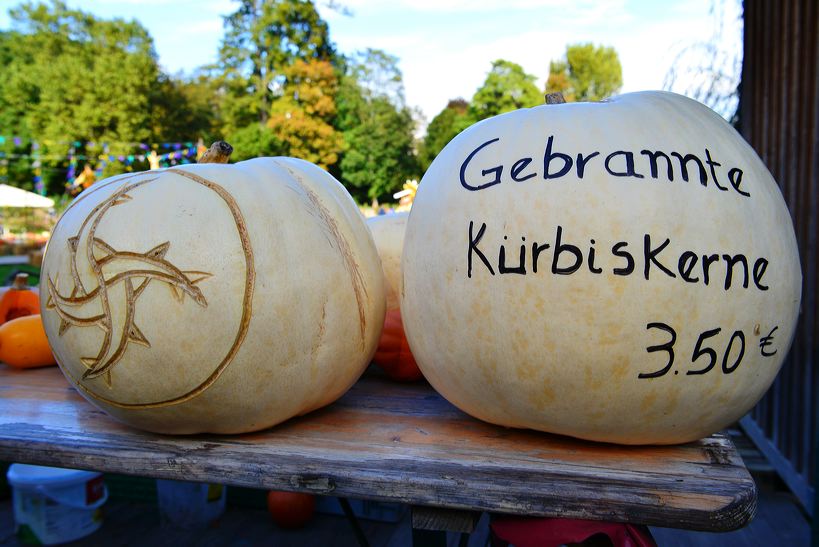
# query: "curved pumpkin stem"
20, 282
219, 152
555, 98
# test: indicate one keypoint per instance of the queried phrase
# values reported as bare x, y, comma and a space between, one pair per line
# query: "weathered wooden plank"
393, 442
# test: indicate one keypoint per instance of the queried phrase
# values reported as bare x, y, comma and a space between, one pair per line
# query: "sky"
446, 47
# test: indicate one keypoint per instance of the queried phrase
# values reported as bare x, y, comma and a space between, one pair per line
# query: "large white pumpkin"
213, 298
388, 234
623, 271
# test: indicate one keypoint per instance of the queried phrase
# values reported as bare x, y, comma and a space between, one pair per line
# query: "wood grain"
393, 442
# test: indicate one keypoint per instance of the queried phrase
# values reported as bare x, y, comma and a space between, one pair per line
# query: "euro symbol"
765, 341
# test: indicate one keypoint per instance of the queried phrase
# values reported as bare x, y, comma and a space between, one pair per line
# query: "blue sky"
446, 47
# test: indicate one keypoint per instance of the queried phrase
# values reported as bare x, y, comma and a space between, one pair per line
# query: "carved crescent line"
337, 241
247, 302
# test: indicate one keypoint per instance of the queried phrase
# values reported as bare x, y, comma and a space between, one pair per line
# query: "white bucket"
54, 505
189, 505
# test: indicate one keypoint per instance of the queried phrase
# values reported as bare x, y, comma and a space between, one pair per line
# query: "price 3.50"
709, 350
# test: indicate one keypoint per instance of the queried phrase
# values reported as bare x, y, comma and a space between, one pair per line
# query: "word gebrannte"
655, 260
655, 164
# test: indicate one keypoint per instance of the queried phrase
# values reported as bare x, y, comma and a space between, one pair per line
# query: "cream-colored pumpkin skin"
564, 352
388, 233
236, 296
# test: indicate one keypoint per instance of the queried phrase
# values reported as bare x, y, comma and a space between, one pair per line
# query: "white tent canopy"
17, 197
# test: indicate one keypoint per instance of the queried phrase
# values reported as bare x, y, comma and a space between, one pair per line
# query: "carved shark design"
111, 267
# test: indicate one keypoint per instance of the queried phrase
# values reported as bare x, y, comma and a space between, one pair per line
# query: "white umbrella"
11, 196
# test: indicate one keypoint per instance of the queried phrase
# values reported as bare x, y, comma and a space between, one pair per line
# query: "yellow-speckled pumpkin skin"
624, 271
213, 298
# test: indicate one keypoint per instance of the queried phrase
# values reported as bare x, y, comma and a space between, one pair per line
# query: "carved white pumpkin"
213, 298
623, 271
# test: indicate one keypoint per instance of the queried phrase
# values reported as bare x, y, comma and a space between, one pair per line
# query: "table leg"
353, 520
428, 538
430, 525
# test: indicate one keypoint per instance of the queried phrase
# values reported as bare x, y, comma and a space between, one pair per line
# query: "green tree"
507, 87
453, 119
254, 141
183, 108
376, 72
588, 73
74, 82
377, 127
262, 38
74, 78
301, 118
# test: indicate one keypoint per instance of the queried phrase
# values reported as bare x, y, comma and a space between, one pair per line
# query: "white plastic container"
189, 505
55, 505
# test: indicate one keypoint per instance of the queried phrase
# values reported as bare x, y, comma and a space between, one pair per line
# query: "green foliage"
74, 82
443, 128
72, 78
507, 87
301, 118
79, 76
277, 82
377, 127
254, 141
588, 73
184, 108
379, 157
262, 38
377, 74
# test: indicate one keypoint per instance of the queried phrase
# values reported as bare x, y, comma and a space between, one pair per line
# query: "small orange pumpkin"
290, 509
18, 300
23, 343
393, 354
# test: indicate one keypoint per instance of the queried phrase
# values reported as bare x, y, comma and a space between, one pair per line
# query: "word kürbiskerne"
567, 258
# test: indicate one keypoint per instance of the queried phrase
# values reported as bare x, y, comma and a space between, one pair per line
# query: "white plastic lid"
21, 474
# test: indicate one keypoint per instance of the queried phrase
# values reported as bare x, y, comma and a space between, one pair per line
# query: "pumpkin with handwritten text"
393, 353
623, 271
213, 298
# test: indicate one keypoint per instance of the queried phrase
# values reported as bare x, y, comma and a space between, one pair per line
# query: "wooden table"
393, 442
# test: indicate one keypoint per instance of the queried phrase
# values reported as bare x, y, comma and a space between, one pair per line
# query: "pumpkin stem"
555, 98
219, 152
20, 281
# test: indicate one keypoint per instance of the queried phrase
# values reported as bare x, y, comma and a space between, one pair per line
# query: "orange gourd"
18, 300
393, 354
23, 343
290, 509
